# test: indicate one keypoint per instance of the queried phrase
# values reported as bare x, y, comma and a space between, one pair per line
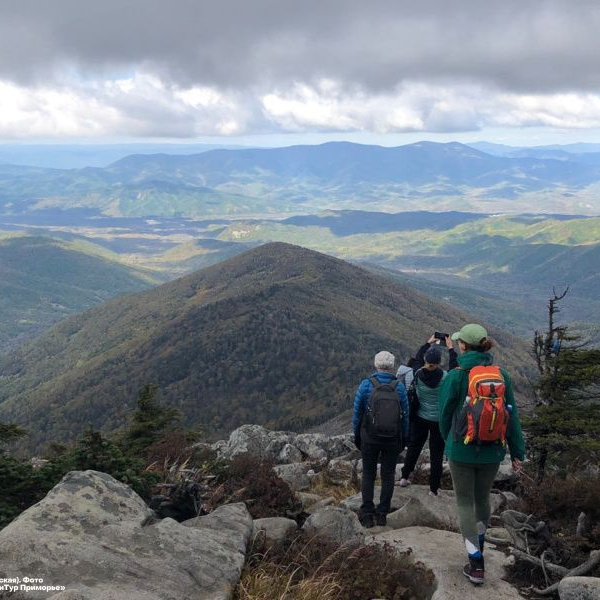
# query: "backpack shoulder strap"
374, 381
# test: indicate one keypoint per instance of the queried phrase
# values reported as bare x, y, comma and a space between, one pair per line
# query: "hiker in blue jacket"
375, 448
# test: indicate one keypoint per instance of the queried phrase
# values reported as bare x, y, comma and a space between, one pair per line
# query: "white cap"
384, 361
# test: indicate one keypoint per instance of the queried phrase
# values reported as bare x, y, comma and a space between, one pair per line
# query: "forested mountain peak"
279, 335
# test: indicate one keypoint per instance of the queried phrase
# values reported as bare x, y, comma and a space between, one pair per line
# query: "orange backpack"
485, 415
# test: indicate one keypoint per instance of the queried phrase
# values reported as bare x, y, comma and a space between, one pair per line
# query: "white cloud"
417, 106
140, 105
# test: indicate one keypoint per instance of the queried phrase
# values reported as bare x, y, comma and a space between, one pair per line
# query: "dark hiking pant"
472, 486
419, 430
373, 453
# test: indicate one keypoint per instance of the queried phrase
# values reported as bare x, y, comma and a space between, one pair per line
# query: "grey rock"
579, 588
273, 529
336, 524
289, 454
443, 552
320, 448
339, 446
339, 468
98, 538
511, 500
232, 521
311, 446
307, 500
329, 501
295, 475
498, 533
505, 473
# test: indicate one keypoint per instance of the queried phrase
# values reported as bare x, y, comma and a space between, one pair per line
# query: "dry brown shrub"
309, 568
173, 448
252, 481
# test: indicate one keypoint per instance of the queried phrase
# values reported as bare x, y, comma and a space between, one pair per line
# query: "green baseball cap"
471, 334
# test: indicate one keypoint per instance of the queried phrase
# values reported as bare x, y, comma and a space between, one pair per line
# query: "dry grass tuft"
278, 583
323, 485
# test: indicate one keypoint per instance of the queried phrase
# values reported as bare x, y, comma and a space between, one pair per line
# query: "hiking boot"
367, 521
380, 520
432, 493
404, 482
474, 570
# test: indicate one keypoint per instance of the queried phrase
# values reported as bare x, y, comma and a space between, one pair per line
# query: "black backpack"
383, 415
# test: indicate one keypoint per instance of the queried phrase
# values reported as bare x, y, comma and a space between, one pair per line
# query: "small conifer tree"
565, 428
20, 484
150, 422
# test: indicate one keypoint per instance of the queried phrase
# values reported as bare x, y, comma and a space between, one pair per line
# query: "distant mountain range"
560, 151
79, 156
302, 179
278, 335
515, 259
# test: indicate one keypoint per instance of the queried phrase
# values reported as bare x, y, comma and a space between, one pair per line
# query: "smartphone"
442, 337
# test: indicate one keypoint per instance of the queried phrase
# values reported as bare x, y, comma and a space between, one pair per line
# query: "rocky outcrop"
443, 552
97, 538
256, 441
282, 447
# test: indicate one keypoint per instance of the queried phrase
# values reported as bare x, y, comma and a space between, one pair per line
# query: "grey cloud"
524, 46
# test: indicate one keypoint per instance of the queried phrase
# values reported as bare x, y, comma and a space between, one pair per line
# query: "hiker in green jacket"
474, 463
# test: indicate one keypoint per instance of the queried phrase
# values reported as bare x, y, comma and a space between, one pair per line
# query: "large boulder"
412, 506
256, 441
443, 552
97, 538
579, 588
336, 524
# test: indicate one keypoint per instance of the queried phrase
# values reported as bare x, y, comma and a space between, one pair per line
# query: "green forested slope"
43, 280
279, 335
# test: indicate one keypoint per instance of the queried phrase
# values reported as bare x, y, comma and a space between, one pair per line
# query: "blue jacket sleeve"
360, 404
405, 408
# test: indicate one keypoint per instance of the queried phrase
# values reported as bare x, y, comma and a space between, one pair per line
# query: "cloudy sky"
383, 71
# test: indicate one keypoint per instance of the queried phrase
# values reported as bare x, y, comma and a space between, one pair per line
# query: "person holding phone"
423, 394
